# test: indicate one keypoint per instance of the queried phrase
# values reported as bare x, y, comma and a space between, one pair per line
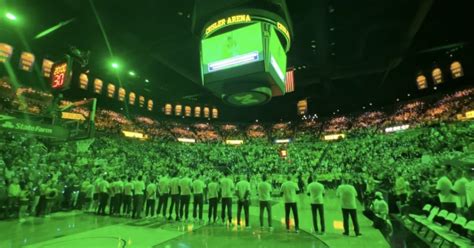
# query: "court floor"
76, 229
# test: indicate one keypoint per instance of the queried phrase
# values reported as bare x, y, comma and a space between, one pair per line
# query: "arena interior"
236, 123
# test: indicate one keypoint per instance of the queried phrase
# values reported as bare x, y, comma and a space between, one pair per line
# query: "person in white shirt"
118, 191
103, 196
164, 191
213, 195
227, 190
138, 187
289, 189
185, 185
264, 196
95, 197
127, 196
243, 195
118, 196
347, 195
174, 191
316, 194
14, 192
198, 202
460, 188
89, 196
150, 199
447, 199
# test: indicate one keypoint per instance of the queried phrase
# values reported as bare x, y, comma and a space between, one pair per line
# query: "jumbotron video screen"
231, 49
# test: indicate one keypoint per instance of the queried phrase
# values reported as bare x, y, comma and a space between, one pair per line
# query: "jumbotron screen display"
277, 57
231, 49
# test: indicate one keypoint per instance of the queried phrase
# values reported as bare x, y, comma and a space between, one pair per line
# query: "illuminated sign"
470, 114
282, 141
234, 61
135, 135
12, 124
234, 142
6, 52
186, 140
47, 64
26, 61
283, 29
72, 116
59, 75
334, 136
236, 19
396, 128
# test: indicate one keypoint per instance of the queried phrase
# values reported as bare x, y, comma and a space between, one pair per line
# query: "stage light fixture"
10, 16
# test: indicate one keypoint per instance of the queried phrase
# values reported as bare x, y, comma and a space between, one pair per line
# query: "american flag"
290, 81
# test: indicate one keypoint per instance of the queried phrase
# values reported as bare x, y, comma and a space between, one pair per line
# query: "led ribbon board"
234, 61
245, 18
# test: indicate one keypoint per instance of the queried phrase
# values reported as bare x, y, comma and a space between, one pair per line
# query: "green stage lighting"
115, 65
10, 16
131, 73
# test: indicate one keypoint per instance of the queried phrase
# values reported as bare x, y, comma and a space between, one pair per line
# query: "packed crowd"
420, 112
48, 175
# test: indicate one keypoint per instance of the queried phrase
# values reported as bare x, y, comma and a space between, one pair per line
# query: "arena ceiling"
347, 54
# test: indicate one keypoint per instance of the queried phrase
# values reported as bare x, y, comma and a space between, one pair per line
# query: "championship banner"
12, 124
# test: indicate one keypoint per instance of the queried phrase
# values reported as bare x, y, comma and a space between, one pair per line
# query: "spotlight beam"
53, 28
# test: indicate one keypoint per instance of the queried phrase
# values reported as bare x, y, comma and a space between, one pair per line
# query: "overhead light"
408, 94
10, 16
115, 65
398, 99
370, 104
131, 73
147, 81
435, 88
332, 29
313, 46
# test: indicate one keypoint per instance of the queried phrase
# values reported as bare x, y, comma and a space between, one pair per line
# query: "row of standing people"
131, 198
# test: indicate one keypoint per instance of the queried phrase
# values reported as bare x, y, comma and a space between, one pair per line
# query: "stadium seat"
445, 230
423, 221
426, 211
458, 234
